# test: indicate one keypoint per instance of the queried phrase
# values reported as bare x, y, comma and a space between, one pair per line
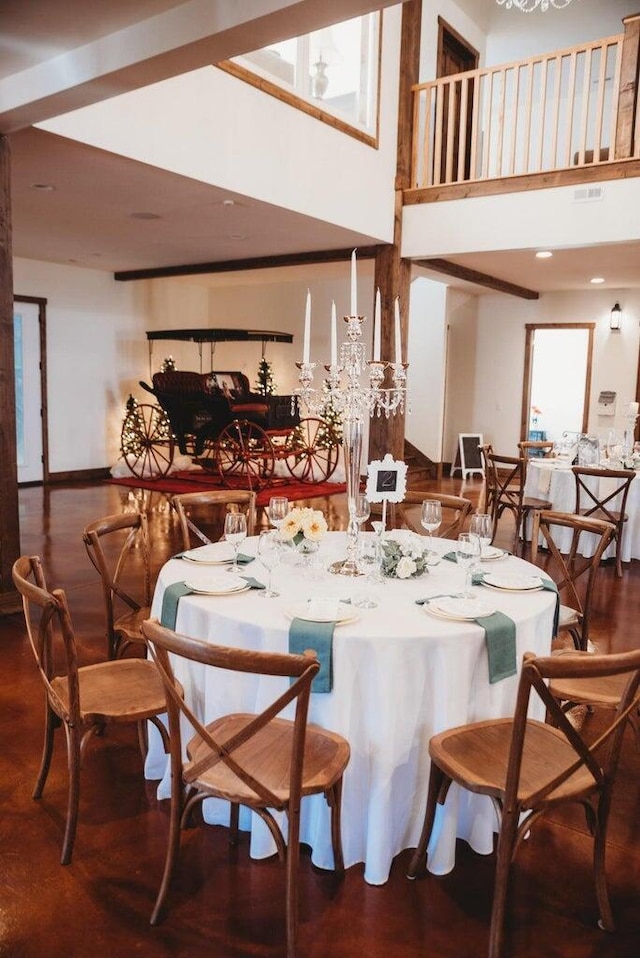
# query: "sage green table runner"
174, 592
318, 636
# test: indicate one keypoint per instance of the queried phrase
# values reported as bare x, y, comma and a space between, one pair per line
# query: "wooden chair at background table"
566, 569
509, 476
85, 699
201, 514
261, 761
118, 547
489, 484
538, 448
527, 767
600, 505
455, 510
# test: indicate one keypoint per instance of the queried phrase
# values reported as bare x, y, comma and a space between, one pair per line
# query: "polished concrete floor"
223, 903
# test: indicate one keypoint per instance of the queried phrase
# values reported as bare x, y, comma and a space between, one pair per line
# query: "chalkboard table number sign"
386, 482
469, 458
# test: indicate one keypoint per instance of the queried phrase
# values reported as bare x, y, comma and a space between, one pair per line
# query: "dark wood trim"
530, 329
80, 475
474, 276
9, 513
10, 602
238, 265
41, 303
599, 172
444, 27
628, 93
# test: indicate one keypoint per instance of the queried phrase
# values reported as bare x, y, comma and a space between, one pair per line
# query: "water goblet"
277, 510
270, 554
480, 526
235, 530
361, 513
431, 517
467, 554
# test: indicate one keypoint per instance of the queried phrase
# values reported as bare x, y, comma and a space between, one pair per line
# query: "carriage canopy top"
213, 335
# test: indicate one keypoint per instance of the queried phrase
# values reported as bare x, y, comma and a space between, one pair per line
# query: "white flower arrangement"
403, 556
303, 524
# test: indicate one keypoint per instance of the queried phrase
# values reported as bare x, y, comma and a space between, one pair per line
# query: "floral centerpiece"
403, 556
303, 526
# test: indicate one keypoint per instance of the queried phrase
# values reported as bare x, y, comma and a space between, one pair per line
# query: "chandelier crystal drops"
528, 6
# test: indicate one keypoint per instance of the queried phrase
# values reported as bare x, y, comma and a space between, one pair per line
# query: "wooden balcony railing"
560, 111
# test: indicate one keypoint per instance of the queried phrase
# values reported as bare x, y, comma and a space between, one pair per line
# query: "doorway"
557, 380
455, 56
29, 336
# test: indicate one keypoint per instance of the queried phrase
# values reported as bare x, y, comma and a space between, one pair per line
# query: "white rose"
405, 568
314, 526
289, 528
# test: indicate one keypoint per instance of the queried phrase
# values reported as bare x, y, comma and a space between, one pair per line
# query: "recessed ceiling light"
228, 202
43, 187
596, 280
237, 236
145, 216
544, 254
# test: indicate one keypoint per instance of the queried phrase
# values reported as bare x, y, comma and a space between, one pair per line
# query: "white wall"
494, 406
427, 365
212, 127
462, 334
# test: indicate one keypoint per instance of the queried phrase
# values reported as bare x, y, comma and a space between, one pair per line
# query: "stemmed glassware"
467, 554
361, 513
480, 526
235, 530
431, 517
277, 510
269, 554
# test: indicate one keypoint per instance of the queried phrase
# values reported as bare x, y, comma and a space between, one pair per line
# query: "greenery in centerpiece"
303, 524
403, 556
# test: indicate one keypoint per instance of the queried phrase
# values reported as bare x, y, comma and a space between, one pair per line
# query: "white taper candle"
354, 286
306, 343
377, 324
334, 335
398, 354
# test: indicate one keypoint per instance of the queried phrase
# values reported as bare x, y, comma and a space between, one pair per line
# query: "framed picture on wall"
386, 480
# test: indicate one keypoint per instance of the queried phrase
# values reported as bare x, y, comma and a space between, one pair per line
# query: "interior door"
27, 335
455, 56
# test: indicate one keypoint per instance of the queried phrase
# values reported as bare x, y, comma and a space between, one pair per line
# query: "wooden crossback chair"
509, 476
455, 510
115, 545
258, 760
489, 484
84, 699
601, 506
199, 513
527, 767
567, 569
535, 447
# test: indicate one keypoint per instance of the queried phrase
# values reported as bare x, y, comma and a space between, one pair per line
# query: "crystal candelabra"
354, 396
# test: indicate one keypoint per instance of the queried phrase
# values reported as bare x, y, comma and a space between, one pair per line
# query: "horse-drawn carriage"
217, 420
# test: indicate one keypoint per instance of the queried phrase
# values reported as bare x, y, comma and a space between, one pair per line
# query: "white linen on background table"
561, 492
400, 676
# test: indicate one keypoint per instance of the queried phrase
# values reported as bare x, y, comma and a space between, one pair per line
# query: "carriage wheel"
244, 455
312, 450
146, 441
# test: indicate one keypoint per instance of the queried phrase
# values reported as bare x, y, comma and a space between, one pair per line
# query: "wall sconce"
615, 318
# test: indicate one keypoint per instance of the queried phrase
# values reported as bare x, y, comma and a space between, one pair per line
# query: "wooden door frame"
42, 327
530, 329
444, 27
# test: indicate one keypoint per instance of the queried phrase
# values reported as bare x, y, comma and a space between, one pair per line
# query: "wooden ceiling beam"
475, 276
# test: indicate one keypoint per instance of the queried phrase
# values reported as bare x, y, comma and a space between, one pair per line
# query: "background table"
548, 479
400, 675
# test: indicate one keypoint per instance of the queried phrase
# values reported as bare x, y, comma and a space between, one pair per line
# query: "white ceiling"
87, 219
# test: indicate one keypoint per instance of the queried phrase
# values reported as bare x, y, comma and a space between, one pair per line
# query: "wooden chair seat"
110, 691
527, 767
325, 757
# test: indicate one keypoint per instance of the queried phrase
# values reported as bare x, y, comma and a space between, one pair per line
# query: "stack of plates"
513, 582
207, 584
216, 553
322, 610
458, 608
490, 552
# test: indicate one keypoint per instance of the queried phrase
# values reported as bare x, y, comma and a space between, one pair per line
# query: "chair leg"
334, 800
51, 722
619, 556
73, 763
438, 786
173, 845
506, 843
599, 848
293, 856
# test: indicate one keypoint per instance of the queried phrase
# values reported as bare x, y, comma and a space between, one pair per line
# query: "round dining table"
400, 675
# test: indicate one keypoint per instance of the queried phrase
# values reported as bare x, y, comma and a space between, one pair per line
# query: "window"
333, 74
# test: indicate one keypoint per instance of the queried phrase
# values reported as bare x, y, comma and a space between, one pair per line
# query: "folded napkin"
172, 595
500, 638
253, 583
450, 557
318, 636
550, 586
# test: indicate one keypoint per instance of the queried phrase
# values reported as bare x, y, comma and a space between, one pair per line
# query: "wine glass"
269, 554
277, 510
480, 526
431, 517
467, 554
235, 530
361, 512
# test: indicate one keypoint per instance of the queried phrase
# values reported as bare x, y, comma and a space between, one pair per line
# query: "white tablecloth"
548, 480
400, 675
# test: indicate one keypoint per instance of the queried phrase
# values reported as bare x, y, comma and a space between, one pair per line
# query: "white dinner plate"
207, 585
216, 553
315, 610
513, 582
458, 608
490, 552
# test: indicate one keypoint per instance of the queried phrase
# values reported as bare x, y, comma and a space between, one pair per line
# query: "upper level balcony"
556, 119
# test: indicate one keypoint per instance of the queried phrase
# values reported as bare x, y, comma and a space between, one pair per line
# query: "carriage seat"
234, 386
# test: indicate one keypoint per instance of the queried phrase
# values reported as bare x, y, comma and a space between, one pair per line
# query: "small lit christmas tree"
132, 429
265, 385
169, 365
